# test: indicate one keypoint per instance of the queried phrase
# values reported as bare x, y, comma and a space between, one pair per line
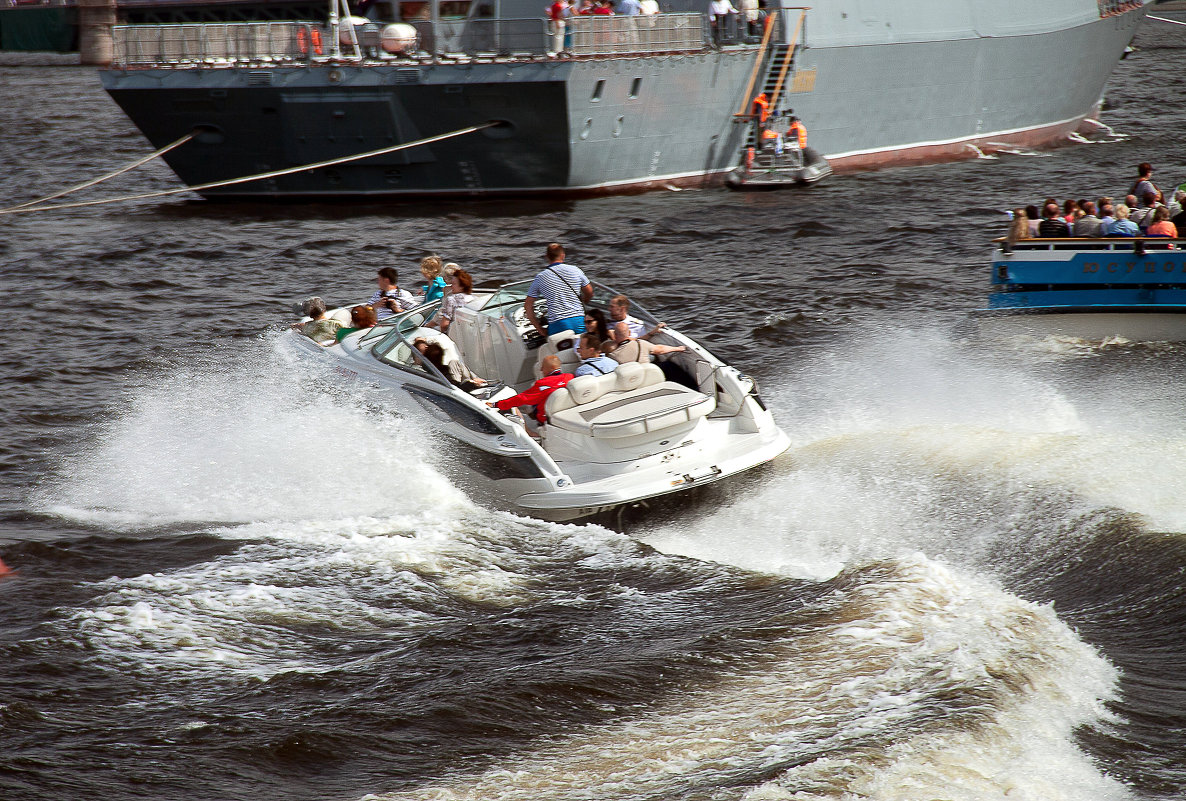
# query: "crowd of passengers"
1143, 212
603, 342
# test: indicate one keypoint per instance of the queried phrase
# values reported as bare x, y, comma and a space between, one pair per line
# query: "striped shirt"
403, 301
562, 292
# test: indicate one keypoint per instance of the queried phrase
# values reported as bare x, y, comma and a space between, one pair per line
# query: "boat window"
396, 350
510, 297
402, 355
379, 331
635, 86
598, 88
506, 299
404, 322
601, 298
457, 411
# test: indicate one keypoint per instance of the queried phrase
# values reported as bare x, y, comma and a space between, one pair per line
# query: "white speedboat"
639, 432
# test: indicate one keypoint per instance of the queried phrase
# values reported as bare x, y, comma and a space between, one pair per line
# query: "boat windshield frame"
510, 297
383, 328
393, 334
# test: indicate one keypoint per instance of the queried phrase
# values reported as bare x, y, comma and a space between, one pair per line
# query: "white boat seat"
568, 355
432, 335
634, 399
342, 315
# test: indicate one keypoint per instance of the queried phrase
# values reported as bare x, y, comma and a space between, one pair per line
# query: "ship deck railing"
215, 43
236, 43
1070, 243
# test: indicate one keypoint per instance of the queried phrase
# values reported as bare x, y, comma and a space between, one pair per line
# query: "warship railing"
1112, 8
212, 42
484, 37
658, 33
225, 43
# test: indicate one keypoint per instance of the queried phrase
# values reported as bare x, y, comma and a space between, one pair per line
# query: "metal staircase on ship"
774, 62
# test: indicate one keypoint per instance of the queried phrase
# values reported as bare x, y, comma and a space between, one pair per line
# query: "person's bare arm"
529, 310
653, 331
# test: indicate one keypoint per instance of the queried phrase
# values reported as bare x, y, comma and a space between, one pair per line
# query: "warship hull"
564, 126
877, 84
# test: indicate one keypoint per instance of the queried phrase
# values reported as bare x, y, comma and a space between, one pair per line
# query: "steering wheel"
521, 321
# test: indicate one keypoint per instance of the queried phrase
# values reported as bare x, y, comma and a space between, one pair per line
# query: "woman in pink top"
1161, 224
1071, 212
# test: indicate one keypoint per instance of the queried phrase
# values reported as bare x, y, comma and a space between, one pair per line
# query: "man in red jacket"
537, 394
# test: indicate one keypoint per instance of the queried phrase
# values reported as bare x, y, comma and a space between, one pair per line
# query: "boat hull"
655, 439
552, 137
1088, 288
885, 84
1135, 323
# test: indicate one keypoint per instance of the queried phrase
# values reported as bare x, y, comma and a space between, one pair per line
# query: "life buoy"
307, 36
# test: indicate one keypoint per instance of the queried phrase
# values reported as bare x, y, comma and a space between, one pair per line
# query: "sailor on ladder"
797, 129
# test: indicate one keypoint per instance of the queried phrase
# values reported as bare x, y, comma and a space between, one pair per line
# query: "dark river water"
963, 581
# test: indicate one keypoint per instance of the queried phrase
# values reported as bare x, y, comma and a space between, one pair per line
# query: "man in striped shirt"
566, 290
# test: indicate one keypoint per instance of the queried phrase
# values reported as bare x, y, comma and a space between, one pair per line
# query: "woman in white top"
462, 285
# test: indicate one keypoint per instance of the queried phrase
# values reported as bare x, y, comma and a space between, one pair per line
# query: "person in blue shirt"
592, 362
1122, 226
566, 290
430, 268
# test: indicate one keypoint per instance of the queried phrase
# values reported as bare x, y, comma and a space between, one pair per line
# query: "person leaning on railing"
719, 14
558, 14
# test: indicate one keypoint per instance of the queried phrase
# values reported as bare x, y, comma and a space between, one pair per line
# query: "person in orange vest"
771, 137
760, 109
798, 130
759, 112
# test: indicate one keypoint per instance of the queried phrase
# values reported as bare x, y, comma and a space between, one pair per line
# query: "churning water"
962, 582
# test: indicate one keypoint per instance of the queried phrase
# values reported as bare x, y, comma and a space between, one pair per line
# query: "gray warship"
487, 97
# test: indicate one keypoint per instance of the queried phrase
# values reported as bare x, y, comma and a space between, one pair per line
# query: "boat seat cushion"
651, 405
562, 344
588, 388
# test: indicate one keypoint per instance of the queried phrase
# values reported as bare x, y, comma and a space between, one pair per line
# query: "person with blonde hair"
1020, 227
1122, 226
431, 268
619, 312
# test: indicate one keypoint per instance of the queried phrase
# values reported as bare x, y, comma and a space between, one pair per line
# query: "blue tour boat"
1095, 289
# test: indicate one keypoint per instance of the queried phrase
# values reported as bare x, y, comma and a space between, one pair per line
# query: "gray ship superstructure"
611, 103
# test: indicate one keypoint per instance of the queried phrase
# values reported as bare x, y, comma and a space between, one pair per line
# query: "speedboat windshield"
506, 299
510, 297
387, 331
395, 347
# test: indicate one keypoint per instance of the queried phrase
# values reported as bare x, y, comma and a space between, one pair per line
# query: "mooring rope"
258, 177
1170, 21
108, 176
